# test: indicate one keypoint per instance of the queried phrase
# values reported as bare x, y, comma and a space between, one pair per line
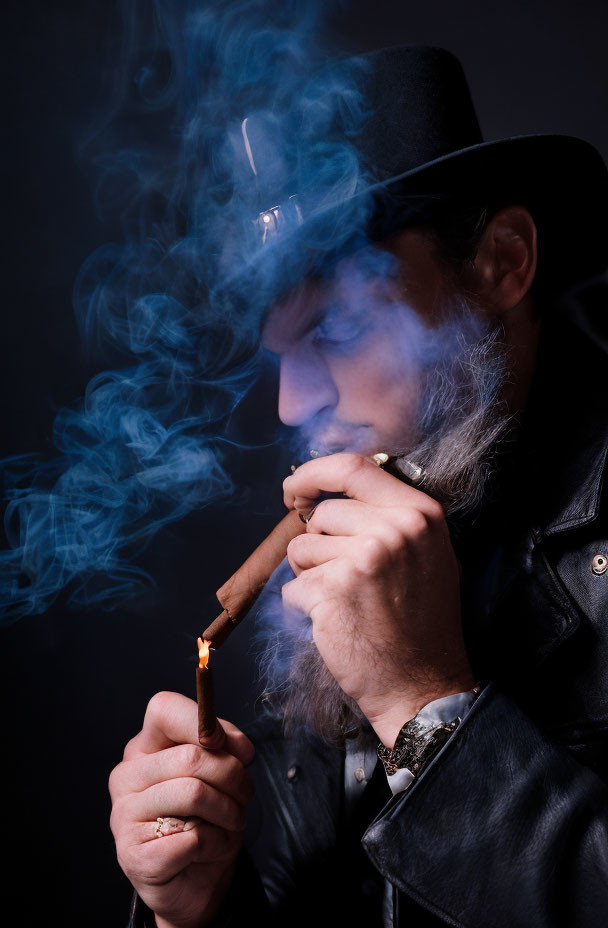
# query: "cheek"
379, 386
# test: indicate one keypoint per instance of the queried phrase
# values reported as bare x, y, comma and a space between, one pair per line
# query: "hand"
183, 877
379, 578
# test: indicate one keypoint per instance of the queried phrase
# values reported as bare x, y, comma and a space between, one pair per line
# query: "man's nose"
306, 386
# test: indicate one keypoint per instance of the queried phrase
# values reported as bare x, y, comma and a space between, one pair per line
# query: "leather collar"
566, 427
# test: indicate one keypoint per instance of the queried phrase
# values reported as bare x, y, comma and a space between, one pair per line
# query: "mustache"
324, 434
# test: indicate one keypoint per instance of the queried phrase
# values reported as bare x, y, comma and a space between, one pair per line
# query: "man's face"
352, 349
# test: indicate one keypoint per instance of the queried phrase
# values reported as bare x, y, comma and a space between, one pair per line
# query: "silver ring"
311, 513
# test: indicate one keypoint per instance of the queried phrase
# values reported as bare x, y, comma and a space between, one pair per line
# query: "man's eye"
338, 327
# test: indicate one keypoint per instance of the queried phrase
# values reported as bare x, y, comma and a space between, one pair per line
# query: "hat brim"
562, 180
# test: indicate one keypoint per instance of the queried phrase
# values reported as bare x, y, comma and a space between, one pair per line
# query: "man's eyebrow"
299, 329
310, 326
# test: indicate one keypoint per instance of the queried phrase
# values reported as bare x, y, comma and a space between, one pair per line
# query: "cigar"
211, 735
240, 592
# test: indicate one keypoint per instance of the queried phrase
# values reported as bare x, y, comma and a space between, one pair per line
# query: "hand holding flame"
378, 577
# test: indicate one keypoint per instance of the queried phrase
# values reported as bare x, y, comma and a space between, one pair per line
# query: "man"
466, 590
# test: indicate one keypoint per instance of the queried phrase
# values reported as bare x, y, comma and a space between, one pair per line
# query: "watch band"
417, 743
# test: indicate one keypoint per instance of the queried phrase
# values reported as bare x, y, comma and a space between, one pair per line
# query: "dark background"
75, 685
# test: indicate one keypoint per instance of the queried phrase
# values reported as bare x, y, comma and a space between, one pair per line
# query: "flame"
203, 652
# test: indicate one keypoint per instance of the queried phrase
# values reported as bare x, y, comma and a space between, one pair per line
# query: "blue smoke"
226, 128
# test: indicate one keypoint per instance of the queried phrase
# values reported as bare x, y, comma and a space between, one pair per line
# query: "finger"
167, 856
158, 860
170, 826
173, 719
182, 798
221, 770
353, 475
303, 504
215, 843
350, 517
309, 590
312, 550
346, 517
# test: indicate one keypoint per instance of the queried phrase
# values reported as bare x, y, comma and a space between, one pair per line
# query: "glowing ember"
203, 652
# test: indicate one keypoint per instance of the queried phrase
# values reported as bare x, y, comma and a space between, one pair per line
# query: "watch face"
415, 746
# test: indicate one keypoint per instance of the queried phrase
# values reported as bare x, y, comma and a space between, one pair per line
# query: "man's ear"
506, 258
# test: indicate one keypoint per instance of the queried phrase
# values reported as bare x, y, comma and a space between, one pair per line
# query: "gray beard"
462, 420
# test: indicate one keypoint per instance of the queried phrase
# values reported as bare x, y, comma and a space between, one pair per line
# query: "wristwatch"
418, 742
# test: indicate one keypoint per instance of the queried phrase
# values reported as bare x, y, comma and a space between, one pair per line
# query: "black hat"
419, 136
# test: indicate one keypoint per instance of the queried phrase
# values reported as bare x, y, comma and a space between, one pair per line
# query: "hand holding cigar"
239, 593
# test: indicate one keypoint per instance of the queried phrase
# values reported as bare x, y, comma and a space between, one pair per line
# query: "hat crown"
420, 108
385, 113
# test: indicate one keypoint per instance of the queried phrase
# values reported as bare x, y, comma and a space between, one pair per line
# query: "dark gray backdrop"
76, 685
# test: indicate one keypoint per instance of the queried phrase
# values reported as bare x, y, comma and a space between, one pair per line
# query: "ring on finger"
306, 517
168, 825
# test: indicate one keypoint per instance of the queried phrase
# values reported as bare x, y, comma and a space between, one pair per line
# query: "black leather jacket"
508, 826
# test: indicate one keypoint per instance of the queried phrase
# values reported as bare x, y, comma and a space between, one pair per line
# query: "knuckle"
392, 538
149, 863
372, 555
295, 547
435, 510
127, 859
114, 823
130, 747
196, 791
158, 705
114, 781
416, 524
242, 740
190, 758
118, 818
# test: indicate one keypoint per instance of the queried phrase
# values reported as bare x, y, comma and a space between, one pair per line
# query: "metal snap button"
600, 564
359, 774
292, 773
